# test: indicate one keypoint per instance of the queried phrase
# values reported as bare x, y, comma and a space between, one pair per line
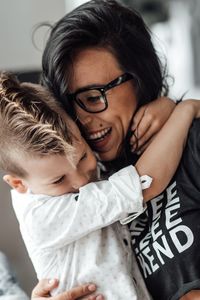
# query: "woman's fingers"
93, 297
45, 286
76, 292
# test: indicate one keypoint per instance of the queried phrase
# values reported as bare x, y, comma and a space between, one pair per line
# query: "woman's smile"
99, 139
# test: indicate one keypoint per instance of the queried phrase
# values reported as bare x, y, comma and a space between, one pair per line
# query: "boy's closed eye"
60, 180
84, 156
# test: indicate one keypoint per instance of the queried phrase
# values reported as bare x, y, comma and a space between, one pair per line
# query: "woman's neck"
125, 158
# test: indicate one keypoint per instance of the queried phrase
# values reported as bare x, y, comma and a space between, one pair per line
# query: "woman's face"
104, 131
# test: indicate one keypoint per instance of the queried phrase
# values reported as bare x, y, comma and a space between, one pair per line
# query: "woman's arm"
44, 287
160, 160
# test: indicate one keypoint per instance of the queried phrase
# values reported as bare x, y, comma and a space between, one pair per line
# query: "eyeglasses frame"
103, 89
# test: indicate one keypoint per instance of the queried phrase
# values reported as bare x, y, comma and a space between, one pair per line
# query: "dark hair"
106, 24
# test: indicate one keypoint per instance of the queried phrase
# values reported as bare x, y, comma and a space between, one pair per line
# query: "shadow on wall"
11, 242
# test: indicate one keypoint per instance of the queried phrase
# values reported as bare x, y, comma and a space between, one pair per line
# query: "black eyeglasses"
94, 99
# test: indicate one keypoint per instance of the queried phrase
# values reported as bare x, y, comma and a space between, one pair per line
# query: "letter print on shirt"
167, 234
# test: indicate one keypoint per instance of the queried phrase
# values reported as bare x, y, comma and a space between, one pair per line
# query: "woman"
100, 63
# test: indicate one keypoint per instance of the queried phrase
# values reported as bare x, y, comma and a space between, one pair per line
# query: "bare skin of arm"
192, 295
161, 159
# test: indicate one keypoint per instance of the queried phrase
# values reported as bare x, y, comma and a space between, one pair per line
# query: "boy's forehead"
73, 127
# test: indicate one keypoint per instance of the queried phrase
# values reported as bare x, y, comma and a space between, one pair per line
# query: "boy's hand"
148, 121
192, 295
45, 286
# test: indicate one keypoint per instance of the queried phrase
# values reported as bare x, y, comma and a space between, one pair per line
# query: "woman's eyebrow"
89, 86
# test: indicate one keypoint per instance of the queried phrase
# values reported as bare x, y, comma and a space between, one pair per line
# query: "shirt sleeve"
58, 221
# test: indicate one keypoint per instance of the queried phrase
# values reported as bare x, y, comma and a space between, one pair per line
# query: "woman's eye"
94, 99
59, 180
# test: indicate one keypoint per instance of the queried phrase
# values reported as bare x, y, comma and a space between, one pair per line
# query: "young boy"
64, 224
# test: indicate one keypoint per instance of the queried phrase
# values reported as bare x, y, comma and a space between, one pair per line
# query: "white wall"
174, 39
17, 20
69, 5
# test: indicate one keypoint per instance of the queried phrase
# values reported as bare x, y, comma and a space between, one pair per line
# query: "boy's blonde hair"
32, 123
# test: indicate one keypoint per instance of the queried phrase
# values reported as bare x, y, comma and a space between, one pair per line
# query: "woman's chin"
108, 155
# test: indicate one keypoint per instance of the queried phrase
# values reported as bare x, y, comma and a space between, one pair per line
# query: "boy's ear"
15, 183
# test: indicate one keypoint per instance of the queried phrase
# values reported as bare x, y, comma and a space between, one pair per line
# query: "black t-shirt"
166, 237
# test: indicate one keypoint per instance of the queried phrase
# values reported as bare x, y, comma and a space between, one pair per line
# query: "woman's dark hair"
105, 24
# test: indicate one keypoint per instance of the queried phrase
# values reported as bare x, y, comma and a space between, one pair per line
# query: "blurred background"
175, 25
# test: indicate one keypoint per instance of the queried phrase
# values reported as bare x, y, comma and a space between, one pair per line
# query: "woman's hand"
45, 286
148, 121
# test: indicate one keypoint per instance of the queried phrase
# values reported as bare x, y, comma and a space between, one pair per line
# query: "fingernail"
99, 297
92, 287
51, 281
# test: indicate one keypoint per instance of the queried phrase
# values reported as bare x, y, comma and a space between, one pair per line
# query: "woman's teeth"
99, 135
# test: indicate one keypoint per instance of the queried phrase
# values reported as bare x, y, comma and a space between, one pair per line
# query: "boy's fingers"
133, 138
146, 137
138, 117
144, 146
141, 134
143, 143
143, 126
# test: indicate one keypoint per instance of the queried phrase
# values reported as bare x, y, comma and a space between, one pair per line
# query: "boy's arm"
57, 221
161, 159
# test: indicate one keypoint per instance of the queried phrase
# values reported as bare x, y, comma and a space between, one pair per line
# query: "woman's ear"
15, 183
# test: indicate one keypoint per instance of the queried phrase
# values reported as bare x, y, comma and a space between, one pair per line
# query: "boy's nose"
79, 181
